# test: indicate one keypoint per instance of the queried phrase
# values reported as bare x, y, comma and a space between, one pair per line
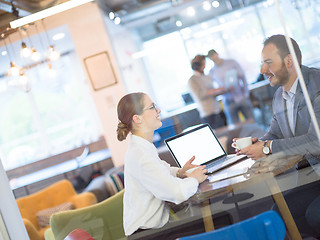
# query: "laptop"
202, 143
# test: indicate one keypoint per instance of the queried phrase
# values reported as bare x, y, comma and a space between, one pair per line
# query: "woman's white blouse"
149, 181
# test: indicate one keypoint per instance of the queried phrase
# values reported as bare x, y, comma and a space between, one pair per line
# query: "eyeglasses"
153, 106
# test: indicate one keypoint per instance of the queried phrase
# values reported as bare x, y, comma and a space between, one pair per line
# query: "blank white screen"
200, 143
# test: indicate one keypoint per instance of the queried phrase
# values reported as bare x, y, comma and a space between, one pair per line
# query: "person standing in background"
203, 93
228, 73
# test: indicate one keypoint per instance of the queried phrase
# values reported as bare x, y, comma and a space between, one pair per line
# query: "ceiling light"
58, 36
191, 12
23, 79
35, 55
111, 15
53, 54
117, 20
215, 4
3, 53
47, 12
178, 23
13, 70
52, 72
25, 51
206, 5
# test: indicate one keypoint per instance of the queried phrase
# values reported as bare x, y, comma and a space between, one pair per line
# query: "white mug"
242, 143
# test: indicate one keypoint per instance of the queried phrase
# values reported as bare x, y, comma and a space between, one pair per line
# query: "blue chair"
265, 226
165, 131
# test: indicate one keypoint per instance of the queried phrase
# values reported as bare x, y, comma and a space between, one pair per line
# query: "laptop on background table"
202, 143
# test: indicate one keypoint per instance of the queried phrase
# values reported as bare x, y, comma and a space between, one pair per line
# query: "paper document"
233, 171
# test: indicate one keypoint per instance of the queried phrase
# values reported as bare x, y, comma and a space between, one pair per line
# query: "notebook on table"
202, 143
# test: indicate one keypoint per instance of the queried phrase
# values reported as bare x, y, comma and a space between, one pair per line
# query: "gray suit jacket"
304, 140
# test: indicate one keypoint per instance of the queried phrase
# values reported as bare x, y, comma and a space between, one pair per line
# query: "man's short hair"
211, 52
280, 42
196, 62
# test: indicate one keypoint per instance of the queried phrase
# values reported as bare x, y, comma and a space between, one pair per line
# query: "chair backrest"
48, 197
79, 234
265, 226
103, 220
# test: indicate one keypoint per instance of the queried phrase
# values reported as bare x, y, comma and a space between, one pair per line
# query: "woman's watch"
266, 149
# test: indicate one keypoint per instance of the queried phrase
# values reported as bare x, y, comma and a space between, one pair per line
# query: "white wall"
125, 44
87, 28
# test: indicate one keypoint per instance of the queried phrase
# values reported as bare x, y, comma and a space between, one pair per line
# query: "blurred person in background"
229, 74
204, 94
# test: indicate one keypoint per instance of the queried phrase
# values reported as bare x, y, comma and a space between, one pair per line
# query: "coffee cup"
242, 143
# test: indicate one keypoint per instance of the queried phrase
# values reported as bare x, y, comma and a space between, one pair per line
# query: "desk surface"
248, 176
245, 171
268, 177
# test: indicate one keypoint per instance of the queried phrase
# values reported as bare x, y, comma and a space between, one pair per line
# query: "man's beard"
282, 76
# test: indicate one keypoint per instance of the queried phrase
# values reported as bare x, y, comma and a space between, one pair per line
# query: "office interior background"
53, 108
52, 111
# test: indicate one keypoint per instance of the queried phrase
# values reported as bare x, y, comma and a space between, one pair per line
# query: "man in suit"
292, 131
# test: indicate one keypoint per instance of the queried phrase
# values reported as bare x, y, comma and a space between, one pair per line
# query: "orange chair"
47, 198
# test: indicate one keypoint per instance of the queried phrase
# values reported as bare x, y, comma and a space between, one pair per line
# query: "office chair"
265, 226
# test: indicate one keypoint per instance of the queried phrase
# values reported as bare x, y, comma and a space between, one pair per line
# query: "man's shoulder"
194, 77
230, 61
311, 77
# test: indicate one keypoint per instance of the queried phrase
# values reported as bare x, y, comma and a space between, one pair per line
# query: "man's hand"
254, 140
253, 151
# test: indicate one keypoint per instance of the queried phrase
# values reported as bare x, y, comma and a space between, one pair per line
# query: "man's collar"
196, 73
293, 89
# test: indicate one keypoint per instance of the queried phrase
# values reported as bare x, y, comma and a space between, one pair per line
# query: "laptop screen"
199, 142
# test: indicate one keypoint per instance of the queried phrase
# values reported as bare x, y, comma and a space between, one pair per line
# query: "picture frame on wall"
100, 70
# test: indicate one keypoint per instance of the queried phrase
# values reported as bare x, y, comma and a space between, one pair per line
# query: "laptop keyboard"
223, 162
217, 162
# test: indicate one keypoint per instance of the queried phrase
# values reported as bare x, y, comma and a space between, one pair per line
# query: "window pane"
53, 114
168, 68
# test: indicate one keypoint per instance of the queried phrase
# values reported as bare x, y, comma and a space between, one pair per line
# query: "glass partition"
281, 173
278, 176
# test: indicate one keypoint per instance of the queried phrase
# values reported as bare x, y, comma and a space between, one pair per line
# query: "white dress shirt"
149, 182
290, 97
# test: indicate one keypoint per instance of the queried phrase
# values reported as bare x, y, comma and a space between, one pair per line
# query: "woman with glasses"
149, 181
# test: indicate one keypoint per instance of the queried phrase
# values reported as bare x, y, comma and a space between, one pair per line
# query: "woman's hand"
199, 174
186, 167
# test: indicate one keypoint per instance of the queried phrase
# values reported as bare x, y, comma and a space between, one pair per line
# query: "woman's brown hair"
128, 106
